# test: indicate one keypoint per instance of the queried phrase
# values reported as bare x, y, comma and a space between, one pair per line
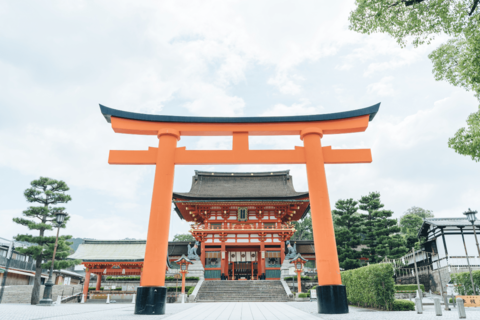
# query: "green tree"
379, 228
347, 233
422, 213
304, 229
457, 61
46, 192
183, 237
410, 224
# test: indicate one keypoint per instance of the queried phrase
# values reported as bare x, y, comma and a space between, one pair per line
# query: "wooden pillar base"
151, 300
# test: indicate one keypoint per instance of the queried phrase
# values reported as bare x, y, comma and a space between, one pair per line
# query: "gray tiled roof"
241, 185
444, 222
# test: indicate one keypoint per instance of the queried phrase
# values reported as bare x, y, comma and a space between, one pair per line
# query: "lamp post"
47, 293
183, 262
299, 261
471, 218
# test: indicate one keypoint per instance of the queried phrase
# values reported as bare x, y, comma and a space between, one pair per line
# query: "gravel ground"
372, 314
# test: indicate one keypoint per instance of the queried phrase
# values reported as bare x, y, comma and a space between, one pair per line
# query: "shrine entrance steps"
242, 291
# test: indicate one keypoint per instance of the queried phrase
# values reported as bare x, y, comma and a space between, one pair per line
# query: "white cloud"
382, 88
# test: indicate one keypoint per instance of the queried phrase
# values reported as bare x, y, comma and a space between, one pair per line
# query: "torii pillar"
151, 296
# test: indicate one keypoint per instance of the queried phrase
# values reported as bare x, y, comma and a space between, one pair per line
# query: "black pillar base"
151, 300
332, 299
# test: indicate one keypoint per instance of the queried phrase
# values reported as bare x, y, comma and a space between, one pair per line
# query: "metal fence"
17, 264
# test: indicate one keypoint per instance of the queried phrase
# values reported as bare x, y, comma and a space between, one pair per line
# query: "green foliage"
348, 232
295, 278
466, 141
422, 213
47, 193
403, 305
304, 230
190, 291
303, 295
183, 237
370, 286
408, 287
380, 231
456, 61
463, 282
179, 288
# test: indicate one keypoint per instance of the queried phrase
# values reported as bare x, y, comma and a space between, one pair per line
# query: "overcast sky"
60, 59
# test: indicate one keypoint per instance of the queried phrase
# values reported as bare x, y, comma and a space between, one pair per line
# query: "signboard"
177, 276
470, 301
313, 294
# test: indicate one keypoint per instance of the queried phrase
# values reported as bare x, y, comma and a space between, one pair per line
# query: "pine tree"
347, 234
304, 229
46, 192
379, 230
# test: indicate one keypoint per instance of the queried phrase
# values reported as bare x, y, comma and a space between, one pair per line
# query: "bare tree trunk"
37, 281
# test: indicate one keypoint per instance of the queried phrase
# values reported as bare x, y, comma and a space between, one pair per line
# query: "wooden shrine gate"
152, 293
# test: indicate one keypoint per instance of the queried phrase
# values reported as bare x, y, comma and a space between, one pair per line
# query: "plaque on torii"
151, 296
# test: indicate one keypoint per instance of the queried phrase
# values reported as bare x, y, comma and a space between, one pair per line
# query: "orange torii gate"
151, 296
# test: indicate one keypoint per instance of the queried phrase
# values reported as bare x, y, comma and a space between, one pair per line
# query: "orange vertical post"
183, 282
328, 268
99, 282
86, 284
153, 274
299, 281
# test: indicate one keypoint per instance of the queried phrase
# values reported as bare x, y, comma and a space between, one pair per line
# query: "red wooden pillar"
86, 284
99, 282
203, 257
223, 260
282, 252
261, 263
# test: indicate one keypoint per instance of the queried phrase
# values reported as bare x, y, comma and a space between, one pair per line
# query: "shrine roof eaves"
109, 112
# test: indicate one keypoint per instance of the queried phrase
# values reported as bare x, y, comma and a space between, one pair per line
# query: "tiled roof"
241, 185
444, 223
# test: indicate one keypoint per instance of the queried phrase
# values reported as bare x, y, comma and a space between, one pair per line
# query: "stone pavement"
212, 311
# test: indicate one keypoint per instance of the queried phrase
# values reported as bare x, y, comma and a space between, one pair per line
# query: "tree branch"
475, 3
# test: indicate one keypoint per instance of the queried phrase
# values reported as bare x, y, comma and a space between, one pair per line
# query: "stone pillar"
151, 296
332, 295
99, 282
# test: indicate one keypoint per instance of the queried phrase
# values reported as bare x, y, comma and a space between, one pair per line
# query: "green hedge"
190, 291
295, 278
403, 305
408, 287
303, 295
463, 282
370, 286
179, 288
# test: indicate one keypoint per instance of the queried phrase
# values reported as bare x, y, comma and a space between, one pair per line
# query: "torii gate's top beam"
332, 123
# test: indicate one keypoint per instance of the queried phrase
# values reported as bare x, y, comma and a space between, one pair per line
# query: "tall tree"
410, 224
347, 234
183, 237
379, 228
46, 192
304, 229
456, 61
422, 213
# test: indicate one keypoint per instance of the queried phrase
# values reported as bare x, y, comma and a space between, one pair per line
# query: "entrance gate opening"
242, 265
151, 296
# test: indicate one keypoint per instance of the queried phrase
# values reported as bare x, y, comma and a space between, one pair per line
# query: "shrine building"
242, 221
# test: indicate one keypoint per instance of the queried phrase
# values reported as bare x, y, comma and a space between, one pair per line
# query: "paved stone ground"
212, 311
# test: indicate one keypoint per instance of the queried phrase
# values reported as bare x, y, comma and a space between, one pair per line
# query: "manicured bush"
179, 288
408, 287
370, 286
137, 278
302, 295
464, 284
295, 278
190, 291
403, 305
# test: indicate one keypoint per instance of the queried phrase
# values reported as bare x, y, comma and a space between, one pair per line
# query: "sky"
60, 59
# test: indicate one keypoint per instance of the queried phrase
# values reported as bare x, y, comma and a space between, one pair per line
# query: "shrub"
190, 291
128, 278
179, 288
408, 287
464, 284
370, 286
302, 295
403, 305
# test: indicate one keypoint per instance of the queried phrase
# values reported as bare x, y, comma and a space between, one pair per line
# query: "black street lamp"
47, 293
471, 218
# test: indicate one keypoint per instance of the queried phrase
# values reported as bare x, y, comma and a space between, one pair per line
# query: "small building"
22, 267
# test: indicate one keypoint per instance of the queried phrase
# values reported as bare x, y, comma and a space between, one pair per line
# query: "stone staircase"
242, 291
